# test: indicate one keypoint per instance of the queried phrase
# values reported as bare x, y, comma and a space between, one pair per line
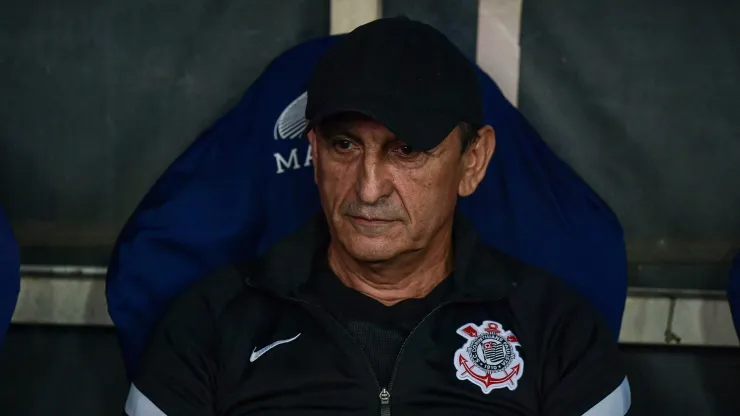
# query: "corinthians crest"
489, 358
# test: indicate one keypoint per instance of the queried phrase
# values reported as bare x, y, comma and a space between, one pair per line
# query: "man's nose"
373, 182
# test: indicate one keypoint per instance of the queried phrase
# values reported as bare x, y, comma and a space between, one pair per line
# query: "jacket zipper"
384, 393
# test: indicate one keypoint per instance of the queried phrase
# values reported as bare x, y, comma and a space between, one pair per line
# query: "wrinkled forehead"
357, 125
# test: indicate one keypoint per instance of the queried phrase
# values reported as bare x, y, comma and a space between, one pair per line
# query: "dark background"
642, 98
639, 96
98, 97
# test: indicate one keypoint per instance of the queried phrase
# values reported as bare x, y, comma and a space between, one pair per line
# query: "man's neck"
412, 275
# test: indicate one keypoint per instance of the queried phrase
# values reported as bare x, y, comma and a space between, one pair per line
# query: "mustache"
380, 211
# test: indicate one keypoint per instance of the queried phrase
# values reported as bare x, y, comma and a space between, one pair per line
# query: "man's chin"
372, 256
373, 243
373, 252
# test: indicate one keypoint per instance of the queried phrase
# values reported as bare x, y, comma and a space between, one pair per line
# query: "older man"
388, 303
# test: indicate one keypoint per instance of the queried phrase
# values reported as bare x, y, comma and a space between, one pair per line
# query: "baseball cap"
404, 74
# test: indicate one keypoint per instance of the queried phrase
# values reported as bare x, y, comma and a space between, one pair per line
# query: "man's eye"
342, 144
405, 150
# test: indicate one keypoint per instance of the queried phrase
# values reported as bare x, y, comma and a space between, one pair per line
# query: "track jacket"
508, 340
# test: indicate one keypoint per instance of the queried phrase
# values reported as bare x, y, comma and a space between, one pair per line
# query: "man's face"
382, 198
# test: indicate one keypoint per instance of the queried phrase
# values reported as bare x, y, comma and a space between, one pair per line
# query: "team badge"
489, 358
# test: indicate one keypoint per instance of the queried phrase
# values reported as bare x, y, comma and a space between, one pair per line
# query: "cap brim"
421, 129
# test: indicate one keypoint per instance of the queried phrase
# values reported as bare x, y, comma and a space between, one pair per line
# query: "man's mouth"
369, 220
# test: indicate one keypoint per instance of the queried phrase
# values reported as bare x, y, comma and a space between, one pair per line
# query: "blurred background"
640, 97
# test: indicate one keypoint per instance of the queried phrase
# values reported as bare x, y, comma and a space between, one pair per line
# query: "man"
388, 303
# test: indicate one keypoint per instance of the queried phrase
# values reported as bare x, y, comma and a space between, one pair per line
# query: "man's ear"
475, 160
312, 139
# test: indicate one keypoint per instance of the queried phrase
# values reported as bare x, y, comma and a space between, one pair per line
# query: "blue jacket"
10, 276
247, 181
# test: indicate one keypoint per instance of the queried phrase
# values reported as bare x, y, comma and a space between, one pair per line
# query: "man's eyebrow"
336, 129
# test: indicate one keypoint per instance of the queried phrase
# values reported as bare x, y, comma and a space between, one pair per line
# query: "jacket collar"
479, 271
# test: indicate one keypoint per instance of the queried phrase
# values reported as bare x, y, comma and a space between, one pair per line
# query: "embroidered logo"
292, 120
489, 358
258, 353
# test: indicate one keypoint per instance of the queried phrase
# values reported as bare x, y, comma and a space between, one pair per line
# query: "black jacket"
511, 340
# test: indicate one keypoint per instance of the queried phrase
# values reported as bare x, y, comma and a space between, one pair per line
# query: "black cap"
404, 74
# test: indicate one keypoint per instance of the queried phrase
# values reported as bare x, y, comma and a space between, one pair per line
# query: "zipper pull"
385, 402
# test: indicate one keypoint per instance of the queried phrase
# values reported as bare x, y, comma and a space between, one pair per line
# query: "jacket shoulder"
535, 290
547, 300
208, 296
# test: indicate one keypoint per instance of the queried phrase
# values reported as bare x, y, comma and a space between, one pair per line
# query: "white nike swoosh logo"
258, 353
